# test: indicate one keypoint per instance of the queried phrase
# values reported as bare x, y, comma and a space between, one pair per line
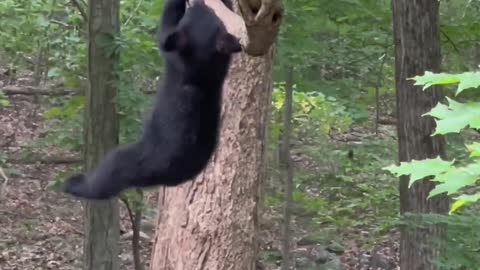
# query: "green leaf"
464, 200
469, 198
455, 206
474, 150
456, 116
468, 80
455, 179
4, 103
54, 72
53, 112
419, 169
465, 80
430, 78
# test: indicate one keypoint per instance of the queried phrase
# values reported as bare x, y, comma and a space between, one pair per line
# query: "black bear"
181, 134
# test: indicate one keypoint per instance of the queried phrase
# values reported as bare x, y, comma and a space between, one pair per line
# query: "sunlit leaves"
456, 116
474, 150
450, 118
456, 178
419, 169
464, 200
68, 111
450, 179
313, 113
464, 80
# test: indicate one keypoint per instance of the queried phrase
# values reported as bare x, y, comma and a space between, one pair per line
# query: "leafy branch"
451, 118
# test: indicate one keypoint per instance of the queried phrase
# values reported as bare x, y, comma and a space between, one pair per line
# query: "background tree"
287, 167
417, 49
101, 131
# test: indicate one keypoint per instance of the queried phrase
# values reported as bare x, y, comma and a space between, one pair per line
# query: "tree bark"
101, 129
417, 49
211, 223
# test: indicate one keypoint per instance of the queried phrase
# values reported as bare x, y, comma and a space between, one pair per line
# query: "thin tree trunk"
417, 49
287, 169
134, 207
377, 89
101, 134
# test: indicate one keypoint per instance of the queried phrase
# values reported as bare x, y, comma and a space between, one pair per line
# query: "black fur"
182, 132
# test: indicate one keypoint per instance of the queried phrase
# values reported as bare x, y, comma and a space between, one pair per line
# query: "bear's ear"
226, 43
175, 41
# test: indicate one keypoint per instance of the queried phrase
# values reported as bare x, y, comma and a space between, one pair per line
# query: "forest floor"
43, 229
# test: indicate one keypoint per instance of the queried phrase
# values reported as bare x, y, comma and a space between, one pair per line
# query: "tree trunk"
287, 169
211, 223
101, 134
417, 49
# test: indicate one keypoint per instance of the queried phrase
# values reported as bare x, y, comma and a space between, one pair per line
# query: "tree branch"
80, 8
135, 215
449, 40
58, 160
11, 90
64, 24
